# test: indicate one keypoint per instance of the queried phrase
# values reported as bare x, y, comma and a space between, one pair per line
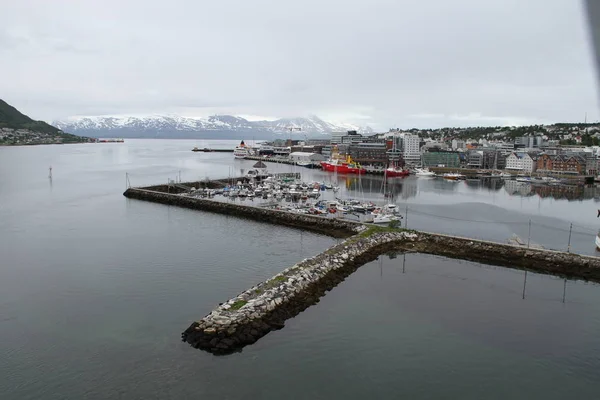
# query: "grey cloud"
463, 62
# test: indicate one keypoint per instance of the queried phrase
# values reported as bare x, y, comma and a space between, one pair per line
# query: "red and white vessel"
393, 172
342, 166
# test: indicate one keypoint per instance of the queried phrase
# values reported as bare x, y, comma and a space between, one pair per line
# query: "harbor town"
532, 158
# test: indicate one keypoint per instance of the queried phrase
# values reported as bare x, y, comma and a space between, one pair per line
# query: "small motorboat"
385, 218
424, 172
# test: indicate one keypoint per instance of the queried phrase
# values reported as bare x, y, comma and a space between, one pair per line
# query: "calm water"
95, 290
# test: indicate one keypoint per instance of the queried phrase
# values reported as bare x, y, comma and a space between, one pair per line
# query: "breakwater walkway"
247, 317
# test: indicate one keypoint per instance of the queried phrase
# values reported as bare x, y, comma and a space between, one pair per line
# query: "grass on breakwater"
372, 230
237, 305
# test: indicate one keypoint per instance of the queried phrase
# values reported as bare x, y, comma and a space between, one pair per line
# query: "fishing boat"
393, 172
241, 150
424, 172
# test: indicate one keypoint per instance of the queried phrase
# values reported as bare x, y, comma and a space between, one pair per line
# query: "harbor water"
95, 289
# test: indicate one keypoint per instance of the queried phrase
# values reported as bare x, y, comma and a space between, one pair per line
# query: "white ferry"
241, 150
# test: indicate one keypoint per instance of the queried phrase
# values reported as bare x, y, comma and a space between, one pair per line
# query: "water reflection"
558, 192
394, 255
393, 188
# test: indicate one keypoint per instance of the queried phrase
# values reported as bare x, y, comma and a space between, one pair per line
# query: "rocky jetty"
265, 307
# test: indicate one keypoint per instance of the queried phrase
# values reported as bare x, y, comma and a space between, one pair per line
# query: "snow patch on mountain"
161, 124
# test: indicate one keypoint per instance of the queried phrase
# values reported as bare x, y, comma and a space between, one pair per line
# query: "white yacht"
391, 209
241, 150
384, 218
423, 172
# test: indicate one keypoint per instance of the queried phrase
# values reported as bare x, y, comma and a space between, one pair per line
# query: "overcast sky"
383, 63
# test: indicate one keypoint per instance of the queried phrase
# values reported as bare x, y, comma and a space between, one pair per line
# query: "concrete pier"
266, 306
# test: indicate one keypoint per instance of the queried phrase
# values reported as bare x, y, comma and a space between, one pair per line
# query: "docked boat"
393, 172
241, 150
342, 166
390, 209
110, 141
424, 172
453, 176
385, 218
257, 173
526, 179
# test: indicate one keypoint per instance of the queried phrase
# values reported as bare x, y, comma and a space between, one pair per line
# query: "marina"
265, 307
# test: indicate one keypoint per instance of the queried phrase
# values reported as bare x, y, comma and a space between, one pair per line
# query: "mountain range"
213, 127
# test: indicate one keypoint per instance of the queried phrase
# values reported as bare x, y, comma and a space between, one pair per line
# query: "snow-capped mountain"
217, 126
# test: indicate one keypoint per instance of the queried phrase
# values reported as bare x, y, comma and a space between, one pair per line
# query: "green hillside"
10, 117
43, 133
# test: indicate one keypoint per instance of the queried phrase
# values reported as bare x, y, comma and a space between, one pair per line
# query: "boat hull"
341, 168
395, 173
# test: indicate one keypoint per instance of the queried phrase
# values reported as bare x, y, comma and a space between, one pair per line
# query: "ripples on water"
95, 290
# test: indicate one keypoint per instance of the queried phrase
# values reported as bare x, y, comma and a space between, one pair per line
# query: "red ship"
393, 172
343, 167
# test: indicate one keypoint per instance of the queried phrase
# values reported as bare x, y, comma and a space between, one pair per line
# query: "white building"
410, 149
336, 137
458, 144
305, 157
518, 161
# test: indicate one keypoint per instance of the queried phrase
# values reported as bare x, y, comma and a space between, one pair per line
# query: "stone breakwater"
329, 226
567, 265
265, 307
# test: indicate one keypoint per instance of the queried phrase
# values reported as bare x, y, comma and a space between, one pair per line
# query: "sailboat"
387, 213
